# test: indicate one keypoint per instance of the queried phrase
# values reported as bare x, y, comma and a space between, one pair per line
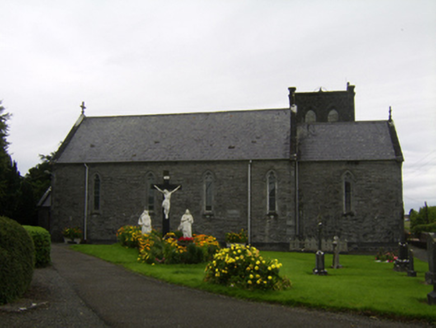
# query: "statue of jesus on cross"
167, 199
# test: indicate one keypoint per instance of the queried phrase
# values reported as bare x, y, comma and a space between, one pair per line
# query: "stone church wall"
376, 202
123, 197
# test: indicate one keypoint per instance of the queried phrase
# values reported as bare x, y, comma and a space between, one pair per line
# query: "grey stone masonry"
124, 196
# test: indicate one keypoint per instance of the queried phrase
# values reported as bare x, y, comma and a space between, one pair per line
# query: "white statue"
145, 222
167, 199
186, 224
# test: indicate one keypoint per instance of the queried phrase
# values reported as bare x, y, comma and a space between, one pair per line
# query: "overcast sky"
148, 57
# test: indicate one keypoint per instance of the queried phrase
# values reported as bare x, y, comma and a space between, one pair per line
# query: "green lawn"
362, 285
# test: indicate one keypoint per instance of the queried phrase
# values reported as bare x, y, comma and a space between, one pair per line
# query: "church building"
276, 173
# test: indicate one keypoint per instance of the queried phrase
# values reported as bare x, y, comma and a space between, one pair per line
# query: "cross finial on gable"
390, 113
83, 107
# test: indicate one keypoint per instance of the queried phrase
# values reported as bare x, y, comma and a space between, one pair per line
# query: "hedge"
17, 260
430, 227
42, 242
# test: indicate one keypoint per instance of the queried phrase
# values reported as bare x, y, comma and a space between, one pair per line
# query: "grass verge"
361, 286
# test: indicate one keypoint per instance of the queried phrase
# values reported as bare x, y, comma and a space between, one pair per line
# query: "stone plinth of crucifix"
166, 189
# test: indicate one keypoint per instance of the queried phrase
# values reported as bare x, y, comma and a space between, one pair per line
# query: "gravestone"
430, 276
401, 264
166, 189
319, 256
335, 244
411, 270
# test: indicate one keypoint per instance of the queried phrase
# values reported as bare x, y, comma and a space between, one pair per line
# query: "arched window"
150, 197
348, 187
97, 192
208, 191
333, 116
310, 117
271, 192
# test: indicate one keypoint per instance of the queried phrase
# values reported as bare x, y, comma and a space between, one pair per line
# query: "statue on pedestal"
145, 222
186, 224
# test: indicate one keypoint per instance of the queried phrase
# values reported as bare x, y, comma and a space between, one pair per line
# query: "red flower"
186, 239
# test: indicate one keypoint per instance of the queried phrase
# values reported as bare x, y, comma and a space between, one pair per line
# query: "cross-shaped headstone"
167, 190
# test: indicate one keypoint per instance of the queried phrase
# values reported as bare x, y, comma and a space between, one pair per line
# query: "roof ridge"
191, 113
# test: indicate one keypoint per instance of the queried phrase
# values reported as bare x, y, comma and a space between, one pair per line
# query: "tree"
423, 220
39, 176
10, 178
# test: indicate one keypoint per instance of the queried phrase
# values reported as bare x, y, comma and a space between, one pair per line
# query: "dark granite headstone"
430, 276
320, 267
401, 264
411, 270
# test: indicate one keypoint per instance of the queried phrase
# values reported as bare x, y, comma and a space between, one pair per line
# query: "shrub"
17, 259
244, 267
129, 236
422, 220
42, 243
419, 228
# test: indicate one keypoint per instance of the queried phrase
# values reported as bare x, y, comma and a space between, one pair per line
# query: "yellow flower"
256, 268
257, 276
249, 282
251, 276
258, 262
269, 268
269, 277
273, 266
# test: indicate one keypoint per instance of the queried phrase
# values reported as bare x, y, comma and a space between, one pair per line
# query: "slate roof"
348, 141
235, 135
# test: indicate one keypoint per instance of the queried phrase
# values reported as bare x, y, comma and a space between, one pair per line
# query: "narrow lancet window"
272, 192
348, 193
208, 192
333, 116
150, 192
310, 117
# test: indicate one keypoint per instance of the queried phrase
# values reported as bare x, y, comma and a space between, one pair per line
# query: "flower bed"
383, 256
244, 267
72, 233
237, 238
170, 249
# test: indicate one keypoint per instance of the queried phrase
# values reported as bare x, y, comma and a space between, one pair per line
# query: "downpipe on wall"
249, 202
85, 216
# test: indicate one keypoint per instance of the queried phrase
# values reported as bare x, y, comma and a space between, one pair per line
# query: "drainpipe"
249, 202
85, 216
297, 210
294, 153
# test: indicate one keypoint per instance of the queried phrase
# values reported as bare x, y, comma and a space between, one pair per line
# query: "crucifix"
167, 190
83, 107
